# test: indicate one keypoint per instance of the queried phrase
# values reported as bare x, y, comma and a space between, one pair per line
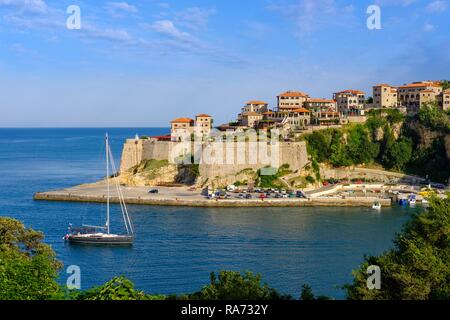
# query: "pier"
182, 196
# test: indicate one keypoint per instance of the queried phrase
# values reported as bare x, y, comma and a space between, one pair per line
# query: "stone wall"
369, 174
136, 151
292, 153
236, 157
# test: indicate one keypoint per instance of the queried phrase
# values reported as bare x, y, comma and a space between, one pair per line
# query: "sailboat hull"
118, 240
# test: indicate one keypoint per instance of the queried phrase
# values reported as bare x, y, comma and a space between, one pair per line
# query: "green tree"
307, 293
118, 288
445, 84
360, 148
394, 116
319, 145
418, 267
28, 267
398, 153
431, 116
339, 156
230, 285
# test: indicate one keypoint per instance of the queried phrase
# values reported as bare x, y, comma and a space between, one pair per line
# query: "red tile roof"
256, 102
182, 120
203, 115
293, 94
301, 110
419, 85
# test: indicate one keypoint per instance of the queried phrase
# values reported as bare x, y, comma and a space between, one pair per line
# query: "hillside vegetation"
413, 145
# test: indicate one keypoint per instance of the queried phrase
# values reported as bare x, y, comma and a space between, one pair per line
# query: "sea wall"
320, 202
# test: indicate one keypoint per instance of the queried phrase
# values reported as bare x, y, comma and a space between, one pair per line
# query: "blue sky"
143, 63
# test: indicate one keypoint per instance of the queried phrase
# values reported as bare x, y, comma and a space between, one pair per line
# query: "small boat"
95, 235
376, 206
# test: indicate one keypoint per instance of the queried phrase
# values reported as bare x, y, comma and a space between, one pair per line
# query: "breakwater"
195, 200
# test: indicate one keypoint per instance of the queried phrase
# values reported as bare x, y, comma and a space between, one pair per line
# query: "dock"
181, 196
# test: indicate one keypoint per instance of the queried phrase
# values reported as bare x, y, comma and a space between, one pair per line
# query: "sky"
144, 63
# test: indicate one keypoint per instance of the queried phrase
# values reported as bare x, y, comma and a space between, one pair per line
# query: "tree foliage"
431, 116
396, 154
418, 267
230, 285
28, 267
118, 288
354, 148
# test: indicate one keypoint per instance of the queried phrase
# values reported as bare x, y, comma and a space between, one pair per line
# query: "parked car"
241, 196
248, 196
153, 191
262, 196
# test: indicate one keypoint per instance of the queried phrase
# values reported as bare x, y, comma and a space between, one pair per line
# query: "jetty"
184, 196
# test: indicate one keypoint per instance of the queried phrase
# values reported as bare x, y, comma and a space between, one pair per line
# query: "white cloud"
111, 34
428, 27
168, 29
194, 18
403, 3
31, 6
437, 6
116, 9
310, 15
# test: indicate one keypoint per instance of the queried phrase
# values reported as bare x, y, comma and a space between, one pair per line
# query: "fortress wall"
135, 151
294, 154
131, 154
231, 159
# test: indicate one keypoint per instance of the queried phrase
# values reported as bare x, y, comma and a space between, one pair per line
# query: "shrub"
229, 285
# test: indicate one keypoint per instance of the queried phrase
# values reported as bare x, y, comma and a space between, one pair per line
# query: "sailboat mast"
107, 183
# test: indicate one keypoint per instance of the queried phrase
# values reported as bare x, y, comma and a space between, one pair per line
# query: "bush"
310, 179
118, 288
229, 285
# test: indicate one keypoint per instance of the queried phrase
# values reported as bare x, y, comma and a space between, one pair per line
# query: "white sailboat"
95, 235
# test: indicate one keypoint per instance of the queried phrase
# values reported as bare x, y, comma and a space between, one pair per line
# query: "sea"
177, 248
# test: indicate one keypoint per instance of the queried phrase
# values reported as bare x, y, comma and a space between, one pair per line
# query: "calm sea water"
177, 248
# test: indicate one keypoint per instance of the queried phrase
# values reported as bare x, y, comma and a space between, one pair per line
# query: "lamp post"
136, 141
